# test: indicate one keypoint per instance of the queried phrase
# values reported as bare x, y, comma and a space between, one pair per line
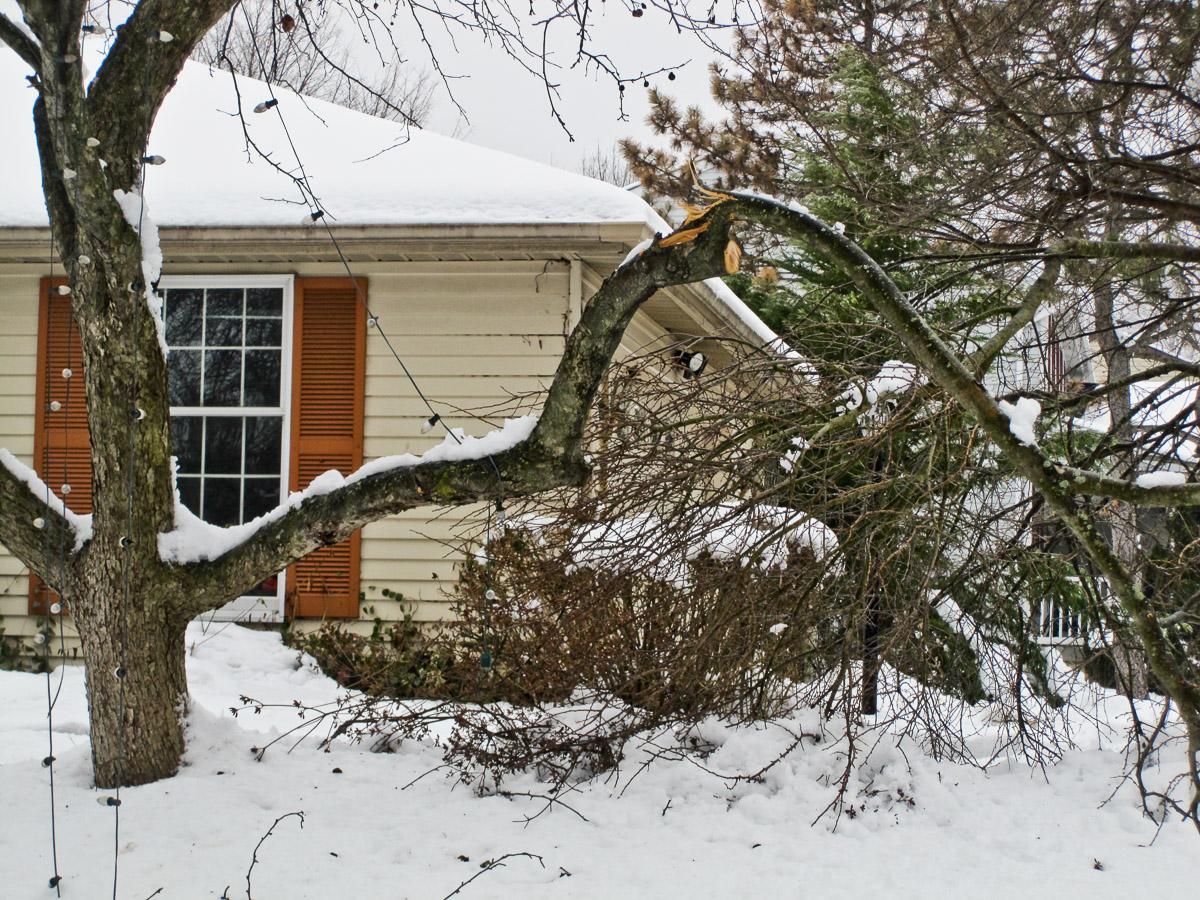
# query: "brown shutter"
328, 375
61, 449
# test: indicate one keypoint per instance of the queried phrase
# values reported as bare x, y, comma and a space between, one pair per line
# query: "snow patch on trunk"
137, 214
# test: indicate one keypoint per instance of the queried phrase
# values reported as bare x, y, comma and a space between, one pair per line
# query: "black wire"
51, 697
128, 538
318, 213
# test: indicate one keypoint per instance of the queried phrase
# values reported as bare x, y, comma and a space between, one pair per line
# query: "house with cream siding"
300, 343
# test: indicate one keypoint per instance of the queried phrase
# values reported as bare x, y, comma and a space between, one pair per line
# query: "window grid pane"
226, 349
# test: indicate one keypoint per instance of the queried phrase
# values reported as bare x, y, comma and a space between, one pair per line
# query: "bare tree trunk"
137, 687
1130, 661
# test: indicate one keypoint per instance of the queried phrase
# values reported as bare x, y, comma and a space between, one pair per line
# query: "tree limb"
20, 43
949, 372
1081, 481
140, 56
1034, 298
22, 505
551, 457
1125, 250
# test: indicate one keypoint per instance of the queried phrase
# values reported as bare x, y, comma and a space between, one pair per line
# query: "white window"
229, 360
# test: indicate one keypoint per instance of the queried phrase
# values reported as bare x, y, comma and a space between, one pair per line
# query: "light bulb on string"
55, 608
312, 217
84, 260
67, 373
108, 801
93, 30
166, 37
64, 290
428, 425
154, 160
55, 406
39, 523
265, 105
489, 595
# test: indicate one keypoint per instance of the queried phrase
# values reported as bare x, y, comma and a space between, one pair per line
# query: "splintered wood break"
684, 235
733, 257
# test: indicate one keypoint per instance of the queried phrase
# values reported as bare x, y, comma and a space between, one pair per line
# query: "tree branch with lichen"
551, 457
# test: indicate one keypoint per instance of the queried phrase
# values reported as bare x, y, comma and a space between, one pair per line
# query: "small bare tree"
310, 56
610, 166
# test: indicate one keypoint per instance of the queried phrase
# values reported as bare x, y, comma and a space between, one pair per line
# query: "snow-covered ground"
374, 829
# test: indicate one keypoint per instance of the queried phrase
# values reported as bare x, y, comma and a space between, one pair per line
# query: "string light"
67, 373
489, 595
92, 142
55, 608
66, 489
95, 30
428, 425
39, 523
108, 801
83, 259
55, 406
265, 105
154, 160
68, 174
313, 217
166, 37
64, 290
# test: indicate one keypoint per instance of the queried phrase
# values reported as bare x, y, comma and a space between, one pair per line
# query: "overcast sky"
508, 110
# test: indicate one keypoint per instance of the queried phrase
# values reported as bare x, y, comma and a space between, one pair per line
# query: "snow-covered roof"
366, 171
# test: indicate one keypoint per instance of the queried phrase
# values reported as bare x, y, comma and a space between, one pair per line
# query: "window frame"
254, 608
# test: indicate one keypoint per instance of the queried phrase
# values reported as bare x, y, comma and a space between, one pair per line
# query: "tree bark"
136, 683
1129, 659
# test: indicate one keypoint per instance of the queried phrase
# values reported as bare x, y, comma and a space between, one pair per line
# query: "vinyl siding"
18, 349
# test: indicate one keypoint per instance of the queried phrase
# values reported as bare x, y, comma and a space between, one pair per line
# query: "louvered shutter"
61, 448
329, 371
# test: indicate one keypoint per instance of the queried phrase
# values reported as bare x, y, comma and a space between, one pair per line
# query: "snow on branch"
80, 526
194, 540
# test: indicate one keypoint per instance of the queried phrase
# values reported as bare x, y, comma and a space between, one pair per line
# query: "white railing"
1056, 623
